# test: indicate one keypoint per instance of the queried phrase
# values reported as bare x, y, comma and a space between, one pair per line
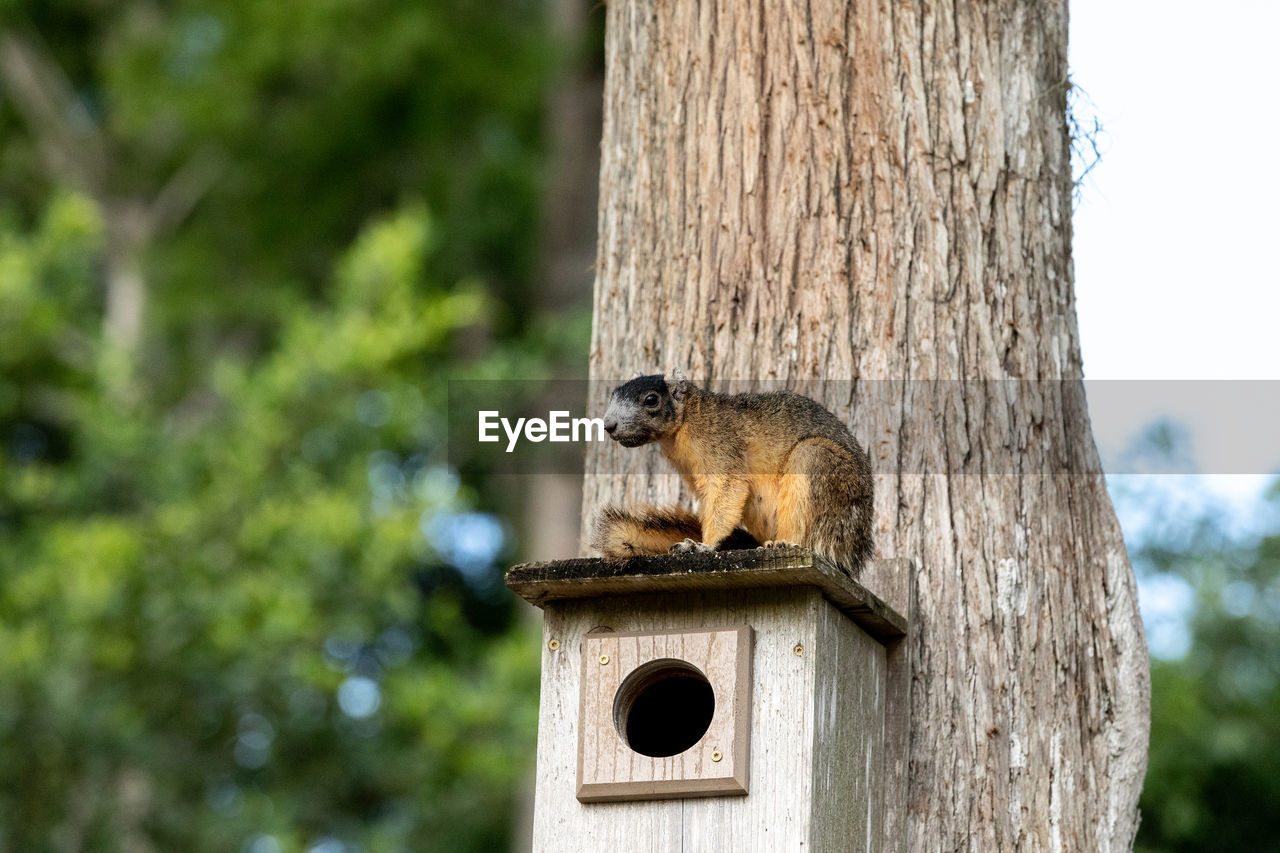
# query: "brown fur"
619, 533
778, 464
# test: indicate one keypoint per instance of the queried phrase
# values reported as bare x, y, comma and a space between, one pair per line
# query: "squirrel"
778, 464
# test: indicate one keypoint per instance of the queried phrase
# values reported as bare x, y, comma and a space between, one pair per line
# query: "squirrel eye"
651, 399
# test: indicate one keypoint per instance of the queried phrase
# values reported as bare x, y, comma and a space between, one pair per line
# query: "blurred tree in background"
245, 602
1213, 780
236, 146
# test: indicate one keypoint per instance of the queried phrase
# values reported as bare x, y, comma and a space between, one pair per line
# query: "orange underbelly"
760, 515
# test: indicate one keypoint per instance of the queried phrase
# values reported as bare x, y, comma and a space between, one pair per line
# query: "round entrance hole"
664, 707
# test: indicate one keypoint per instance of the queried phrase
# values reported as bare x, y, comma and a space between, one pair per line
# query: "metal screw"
799, 650
715, 755
553, 645
604, 660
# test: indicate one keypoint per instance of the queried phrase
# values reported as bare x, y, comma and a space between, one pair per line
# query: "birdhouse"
737, 700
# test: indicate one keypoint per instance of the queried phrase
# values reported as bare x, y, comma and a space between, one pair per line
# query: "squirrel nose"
610, 426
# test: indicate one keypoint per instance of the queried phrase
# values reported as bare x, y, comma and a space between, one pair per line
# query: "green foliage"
1215, 731
288, 124
45, 280
249, 604
237, 617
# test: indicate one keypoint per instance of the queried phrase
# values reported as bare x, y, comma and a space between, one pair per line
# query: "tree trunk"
856, 199
128, 233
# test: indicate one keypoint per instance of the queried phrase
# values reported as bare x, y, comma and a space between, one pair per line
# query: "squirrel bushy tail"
620, 533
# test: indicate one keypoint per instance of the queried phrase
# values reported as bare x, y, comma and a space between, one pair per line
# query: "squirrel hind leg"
621, 533
827, 505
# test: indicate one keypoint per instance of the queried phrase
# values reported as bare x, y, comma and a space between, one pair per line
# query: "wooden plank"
609, 770
897, 742
849, 697
559, 580
777, 813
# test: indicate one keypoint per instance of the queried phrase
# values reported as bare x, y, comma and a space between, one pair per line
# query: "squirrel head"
648, 408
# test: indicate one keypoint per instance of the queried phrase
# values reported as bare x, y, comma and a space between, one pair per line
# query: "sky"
1175, 270
1176, 277
1174, 229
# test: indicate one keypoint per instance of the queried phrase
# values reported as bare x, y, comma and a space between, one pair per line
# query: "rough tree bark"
880, 193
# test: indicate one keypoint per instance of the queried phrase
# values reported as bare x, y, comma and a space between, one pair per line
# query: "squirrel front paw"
689, 546
778, 543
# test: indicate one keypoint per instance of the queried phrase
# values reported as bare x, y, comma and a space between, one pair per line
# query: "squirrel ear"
679, 383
